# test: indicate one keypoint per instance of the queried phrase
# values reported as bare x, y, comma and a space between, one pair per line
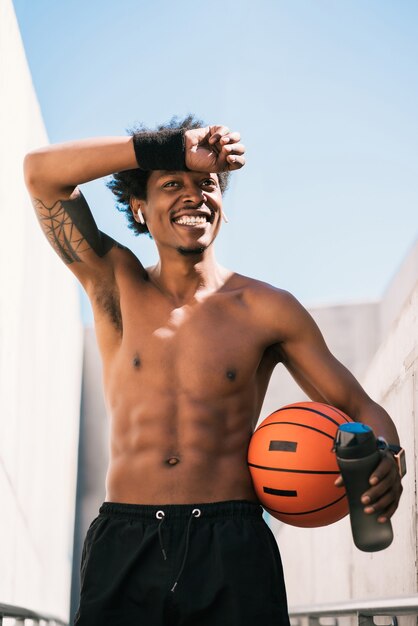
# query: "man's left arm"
324, 378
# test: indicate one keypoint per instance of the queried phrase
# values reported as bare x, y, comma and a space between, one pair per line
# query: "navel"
136, 361
173, 460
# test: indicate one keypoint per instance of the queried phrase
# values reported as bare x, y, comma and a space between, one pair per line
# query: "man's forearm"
54, 171
378, 419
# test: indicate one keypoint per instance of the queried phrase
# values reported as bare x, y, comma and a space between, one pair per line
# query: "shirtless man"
188, 348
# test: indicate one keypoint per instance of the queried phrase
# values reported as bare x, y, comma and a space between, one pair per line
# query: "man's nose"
194, 194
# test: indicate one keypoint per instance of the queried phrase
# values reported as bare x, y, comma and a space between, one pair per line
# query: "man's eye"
171, 183
209, 182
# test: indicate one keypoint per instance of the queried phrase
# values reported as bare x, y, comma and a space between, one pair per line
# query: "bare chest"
211, 345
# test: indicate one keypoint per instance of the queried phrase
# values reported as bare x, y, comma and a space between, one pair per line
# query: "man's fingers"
216, 133
385, 508
382, 502
383, 497
234, 155
385, 515
234, 148
230, 138
382, 486
235, 162
390, 485
223, 136
385, 491
214, 148
386, 466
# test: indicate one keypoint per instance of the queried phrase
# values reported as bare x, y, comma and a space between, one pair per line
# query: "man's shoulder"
256, 288
274, 311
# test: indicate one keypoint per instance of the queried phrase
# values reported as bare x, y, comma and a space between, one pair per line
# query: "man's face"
183, 209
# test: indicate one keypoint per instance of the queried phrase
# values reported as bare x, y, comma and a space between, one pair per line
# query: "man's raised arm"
52, 175
53, 172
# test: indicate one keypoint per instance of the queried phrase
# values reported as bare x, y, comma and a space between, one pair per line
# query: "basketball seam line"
294, 471
305, 408
312, 410
296, 424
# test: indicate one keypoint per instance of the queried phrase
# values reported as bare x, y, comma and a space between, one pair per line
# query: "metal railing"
20, 616
364, 610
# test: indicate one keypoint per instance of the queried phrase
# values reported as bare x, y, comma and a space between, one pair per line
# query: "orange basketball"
293, 466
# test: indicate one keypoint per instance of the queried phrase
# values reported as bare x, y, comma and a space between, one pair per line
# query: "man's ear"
136, 207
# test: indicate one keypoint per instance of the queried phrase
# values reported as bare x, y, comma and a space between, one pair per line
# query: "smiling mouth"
192, 220
193, 216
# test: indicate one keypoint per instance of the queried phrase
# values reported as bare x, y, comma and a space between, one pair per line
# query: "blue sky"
325, 94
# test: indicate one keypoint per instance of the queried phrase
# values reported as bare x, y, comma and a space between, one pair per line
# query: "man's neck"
185, 277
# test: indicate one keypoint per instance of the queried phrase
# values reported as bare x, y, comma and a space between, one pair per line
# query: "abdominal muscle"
199, 456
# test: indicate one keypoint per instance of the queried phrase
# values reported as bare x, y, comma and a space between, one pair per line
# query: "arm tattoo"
71, 230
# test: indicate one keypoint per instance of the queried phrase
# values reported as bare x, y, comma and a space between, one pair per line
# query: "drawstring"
194, 513
161, 516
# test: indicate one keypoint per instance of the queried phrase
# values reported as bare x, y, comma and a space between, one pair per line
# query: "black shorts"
181, 565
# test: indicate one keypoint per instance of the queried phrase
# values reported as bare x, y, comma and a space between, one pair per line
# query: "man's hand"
213, 149
385, 490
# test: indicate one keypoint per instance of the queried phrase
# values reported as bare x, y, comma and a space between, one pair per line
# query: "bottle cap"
354, 440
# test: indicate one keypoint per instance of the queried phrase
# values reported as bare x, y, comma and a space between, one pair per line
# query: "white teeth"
190, 220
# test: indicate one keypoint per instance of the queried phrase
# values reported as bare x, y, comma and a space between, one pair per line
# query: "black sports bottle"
357, 456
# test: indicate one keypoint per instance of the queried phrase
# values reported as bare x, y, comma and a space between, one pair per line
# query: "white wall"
40, 364
93, 455
322, 565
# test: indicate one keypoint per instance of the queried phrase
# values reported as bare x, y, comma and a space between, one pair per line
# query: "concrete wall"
40, 364
92, 457
322, 565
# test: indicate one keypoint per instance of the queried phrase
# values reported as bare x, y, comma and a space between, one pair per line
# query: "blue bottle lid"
355, 428
354, 440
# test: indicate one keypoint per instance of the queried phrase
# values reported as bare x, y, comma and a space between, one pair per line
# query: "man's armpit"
71, 230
